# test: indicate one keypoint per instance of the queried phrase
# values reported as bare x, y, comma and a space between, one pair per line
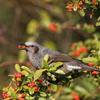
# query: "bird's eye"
32, 46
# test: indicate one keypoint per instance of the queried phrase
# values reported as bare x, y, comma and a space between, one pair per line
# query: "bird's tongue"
22, 47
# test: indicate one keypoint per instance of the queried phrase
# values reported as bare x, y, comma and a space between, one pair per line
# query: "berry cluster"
93, 72
94, 2
18, 76
21, 96
53, 27
33, 85
71, 6
8, 93
79, 51
5, 93
79, 5
75, 96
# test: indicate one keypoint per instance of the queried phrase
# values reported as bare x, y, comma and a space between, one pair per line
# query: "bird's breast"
35, 59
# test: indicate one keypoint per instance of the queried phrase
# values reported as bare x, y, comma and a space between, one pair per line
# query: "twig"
9, 63
71, 27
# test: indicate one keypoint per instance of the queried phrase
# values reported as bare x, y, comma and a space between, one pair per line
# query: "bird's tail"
90, 68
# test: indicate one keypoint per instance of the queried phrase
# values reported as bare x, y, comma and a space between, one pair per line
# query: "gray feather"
69, 63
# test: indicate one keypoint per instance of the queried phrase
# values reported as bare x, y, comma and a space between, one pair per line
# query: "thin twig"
9, 63
71, 27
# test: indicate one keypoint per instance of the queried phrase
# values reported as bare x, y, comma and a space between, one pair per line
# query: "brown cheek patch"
36, 49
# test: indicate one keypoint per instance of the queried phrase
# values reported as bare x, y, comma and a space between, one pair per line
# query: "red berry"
74, 53
33, 83
77, 53
70, 10
39, 80
36, 89
94, 72
52, 27
28, 64
83, 49
90, 64
8, 86
80, 8
90, 25
29, 85
73, 47
91, 13
81, 3
19, 46
23, 95
75, 96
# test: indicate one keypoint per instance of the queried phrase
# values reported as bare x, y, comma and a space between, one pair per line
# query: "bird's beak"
22, 46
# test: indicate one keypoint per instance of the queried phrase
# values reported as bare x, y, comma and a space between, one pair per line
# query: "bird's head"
30, 46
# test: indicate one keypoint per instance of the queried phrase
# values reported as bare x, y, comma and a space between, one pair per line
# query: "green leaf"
24, 72
46, 57
25, 87
90, 59
5, 89
53, 69
82, 90
54, 87
26, 68
81, 12
98, 18
31, 90
45, 64
7, 98
48, 73
38, 73
41, 98
11, 75
71, 80
96, 81
98, 23
54, 79
58, 64
32, 27
43, 94
88, 1
69, 76
59, 72
75, 8
17, 67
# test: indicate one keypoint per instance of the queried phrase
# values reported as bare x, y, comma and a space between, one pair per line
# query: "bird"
37, 52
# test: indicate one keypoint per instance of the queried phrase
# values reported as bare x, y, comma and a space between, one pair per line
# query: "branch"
9, 63
71, 27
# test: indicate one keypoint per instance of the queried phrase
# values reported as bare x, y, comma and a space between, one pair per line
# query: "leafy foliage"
30, 85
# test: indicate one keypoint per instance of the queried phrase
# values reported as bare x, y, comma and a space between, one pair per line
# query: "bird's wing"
69, 62
61, 58
56, 56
